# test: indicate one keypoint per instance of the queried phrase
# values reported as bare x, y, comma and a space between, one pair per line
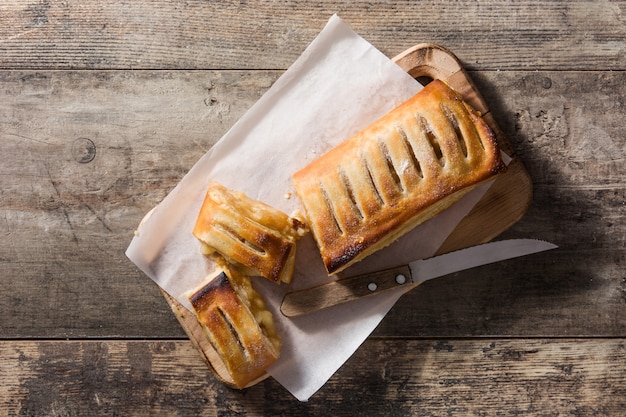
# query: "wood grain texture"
66, 224
105, 105
197, 34
483, 377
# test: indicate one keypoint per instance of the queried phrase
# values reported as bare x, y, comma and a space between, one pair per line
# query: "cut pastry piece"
237, 324
248, 233
400, 171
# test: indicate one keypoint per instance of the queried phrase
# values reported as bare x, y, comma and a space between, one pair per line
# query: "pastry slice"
238, 325
250, 234
398, 172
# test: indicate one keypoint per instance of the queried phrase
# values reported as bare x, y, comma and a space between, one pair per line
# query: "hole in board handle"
424, 79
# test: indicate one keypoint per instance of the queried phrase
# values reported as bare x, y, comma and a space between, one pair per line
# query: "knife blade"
409, 276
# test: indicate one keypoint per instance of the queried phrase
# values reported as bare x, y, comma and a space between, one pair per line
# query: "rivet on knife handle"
344, 290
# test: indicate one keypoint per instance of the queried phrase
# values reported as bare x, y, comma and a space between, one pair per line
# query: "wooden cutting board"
506, 201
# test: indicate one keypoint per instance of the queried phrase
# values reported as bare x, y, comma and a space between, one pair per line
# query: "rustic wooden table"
104, 107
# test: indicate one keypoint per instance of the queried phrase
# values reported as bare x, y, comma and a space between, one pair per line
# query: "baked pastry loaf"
249, 234
402, 170
237, 324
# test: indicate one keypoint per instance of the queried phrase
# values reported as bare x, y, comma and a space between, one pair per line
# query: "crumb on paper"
287, 195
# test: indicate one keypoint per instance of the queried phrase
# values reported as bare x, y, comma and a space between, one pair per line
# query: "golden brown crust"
238, 325
248, 233
397, 173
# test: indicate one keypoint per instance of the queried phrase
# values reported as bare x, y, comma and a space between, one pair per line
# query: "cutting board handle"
431, 61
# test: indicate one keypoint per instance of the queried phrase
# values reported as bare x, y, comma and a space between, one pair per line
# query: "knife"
408, 276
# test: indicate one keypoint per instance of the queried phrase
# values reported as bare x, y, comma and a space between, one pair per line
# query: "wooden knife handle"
346, 289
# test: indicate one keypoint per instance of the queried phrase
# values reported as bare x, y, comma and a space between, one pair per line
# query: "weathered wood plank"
67, 218
110, 34
565, 125
402, 377
66, 223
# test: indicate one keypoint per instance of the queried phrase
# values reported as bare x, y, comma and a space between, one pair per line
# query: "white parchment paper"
339, 85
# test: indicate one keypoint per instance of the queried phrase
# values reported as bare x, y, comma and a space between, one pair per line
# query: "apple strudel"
400, 171
238, 325
249, 234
